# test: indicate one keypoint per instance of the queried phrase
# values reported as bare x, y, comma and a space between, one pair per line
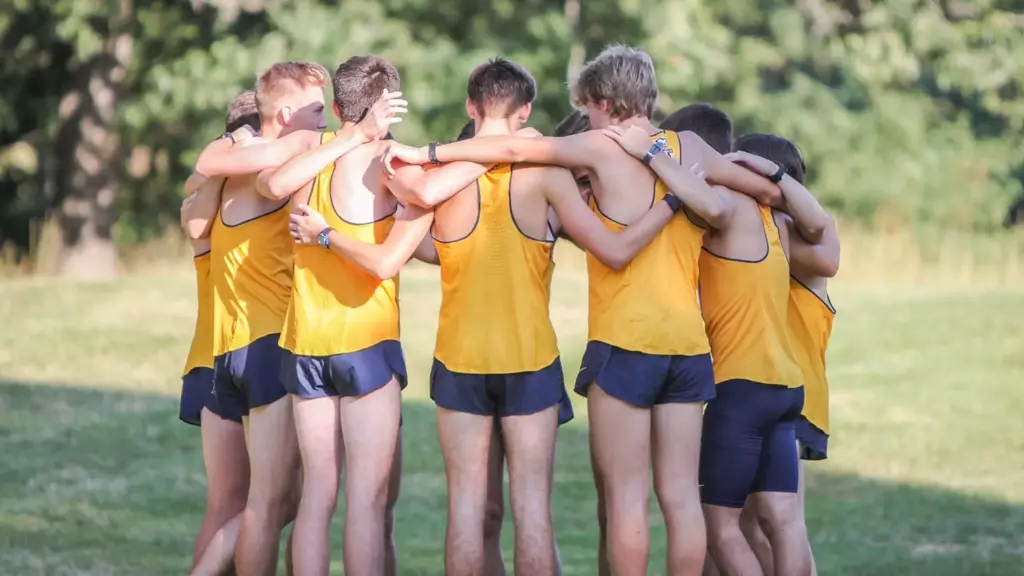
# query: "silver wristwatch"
324, 237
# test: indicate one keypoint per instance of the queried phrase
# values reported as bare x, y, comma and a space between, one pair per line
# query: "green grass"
97, 475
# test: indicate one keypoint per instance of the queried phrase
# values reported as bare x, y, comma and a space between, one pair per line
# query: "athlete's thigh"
273, 450
465, 440
395, 475
318, 430
676, 433
620, 440
369, 424
529, 441
224, 454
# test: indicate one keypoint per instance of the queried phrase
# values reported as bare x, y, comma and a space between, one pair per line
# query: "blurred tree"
910, 112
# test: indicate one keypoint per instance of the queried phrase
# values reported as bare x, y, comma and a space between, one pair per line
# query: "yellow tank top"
495, 289
651, 305
745, 306
336, 306
251, 270
200, 354
810, 323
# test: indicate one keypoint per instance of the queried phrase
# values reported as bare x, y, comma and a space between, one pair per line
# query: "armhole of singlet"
686, 209
778, 234
312, 186
512, 213
826, 301
330, 199
201, 254
767, 243
220, 211
479, 209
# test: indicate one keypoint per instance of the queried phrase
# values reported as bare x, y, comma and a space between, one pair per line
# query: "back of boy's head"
711, 124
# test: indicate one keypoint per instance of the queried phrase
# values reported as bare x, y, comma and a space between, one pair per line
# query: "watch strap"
777, 176
324, 237
432, 153
673, 202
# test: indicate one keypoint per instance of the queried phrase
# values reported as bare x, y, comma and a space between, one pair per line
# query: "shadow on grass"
109, 482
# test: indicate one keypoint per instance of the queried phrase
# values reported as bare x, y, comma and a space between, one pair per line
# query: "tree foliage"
910, 112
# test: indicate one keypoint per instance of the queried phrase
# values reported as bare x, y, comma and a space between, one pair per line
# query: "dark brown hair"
577, 121
500, 83
778, 150
242, 112
711, 124
359, 82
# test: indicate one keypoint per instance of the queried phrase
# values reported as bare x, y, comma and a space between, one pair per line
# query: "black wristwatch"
324, 237
674, 203
432, 153
657, 148
777, 176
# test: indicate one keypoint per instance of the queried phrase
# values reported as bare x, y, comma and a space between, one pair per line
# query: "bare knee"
494, 515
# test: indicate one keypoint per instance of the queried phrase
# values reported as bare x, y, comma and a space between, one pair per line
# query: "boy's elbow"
717, 216
616, 260
830, 268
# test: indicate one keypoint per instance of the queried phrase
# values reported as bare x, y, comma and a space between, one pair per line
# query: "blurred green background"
910, 112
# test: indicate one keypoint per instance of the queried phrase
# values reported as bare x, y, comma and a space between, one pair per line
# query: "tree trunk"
87, 156
577, 52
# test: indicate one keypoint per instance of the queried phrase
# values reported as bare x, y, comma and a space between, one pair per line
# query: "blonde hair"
283, 77
621, 75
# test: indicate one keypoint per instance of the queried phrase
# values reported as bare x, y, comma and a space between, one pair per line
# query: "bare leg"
370, 427
394, 487
465, 443
227, 476
273, 459
729, 548
803, 511
319, 436
530, 448
751, 526
620, 436
677, 429
603, 568
494, 514
783, 523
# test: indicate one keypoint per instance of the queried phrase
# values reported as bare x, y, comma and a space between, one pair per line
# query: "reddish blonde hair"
283, 77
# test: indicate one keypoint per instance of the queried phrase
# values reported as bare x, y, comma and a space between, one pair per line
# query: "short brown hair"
359, 82
622, 76
242, 112
285, 76
778, 150
577, 121
711, 124
503, 83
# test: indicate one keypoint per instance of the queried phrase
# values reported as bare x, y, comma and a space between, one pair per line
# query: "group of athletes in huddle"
296, 369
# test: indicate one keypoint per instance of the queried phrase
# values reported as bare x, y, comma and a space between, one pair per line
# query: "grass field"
97, 476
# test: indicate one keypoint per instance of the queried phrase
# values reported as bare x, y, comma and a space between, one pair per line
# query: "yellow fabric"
810, 323
200, 354
251, 272
495, 289
651, 305
745, 307
336, 306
